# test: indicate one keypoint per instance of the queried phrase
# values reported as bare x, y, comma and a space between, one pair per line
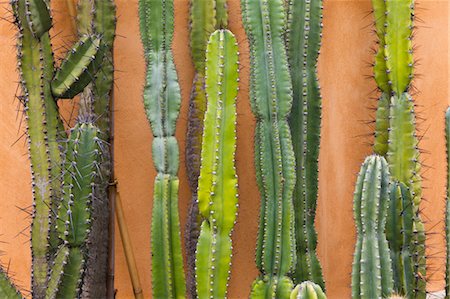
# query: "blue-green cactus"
217, 185
372, 270
303, 44
271, 98
162, 104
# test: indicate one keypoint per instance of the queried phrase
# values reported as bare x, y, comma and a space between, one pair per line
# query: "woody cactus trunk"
271, 100
205, 18
162, 101
62, 210
395, 138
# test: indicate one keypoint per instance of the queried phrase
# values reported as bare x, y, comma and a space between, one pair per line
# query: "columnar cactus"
99, 17
217, 185
308, 290
303, 44
447, 206
372, 270
7, 288
81, 171
162, 101
205, 18
395, 138
271, 99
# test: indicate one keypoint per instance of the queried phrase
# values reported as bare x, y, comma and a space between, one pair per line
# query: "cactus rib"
307, 290
162, 103
7, 288
303, 44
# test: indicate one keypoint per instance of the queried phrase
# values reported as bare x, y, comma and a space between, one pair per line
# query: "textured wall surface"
348, 99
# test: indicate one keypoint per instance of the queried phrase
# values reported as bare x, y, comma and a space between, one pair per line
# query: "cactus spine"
303, 44
7, 288
162, 101
372, 270
307, 290
271, 98
395, 138
98, 17
205, 18
217, 184
447, 207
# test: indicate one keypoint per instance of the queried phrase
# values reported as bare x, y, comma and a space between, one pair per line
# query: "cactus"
271, 99
272, 287
82, 157
98, 17
45, 130
7, 288
372, 270
308, 290
205, 18
395, 138
447, 206
303, 44
217, 184
162, 101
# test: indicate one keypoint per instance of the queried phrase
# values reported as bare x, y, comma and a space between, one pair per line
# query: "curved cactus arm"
267, 288
162, 104
272, 96
217, 189
398, 39
7, 288
372, 270
307, 290
38, 17
303, 44
447, 205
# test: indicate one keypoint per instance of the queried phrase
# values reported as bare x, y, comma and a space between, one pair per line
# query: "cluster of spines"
217, 186
271, 98
162, 100
98, 17
303, 40
372, 270
81, 172
205, 18
395, 136
447, 206
307, 290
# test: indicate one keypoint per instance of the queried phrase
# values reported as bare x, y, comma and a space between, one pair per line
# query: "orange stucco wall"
348, 96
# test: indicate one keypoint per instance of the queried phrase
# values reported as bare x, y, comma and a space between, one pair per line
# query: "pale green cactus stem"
271, 97
303, 44
308, 290
81, 171
7, 288
372, 269
272, 287
162, 101
447, 206
217, 185
205, 18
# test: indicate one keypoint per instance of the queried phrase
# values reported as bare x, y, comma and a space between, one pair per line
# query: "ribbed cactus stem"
271, 97
217, 188
303, 44
372, 270
162, 104
447, 206
272, 287
307, 290
84, 150
205, 17
7, 288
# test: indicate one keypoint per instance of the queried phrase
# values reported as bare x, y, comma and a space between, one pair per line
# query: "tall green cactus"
271, 99
308, 290
205, 18
303, 44
217, 184
162, 101
447, 206
372, 270
82, 158
395, 138
98, 17
41, 85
